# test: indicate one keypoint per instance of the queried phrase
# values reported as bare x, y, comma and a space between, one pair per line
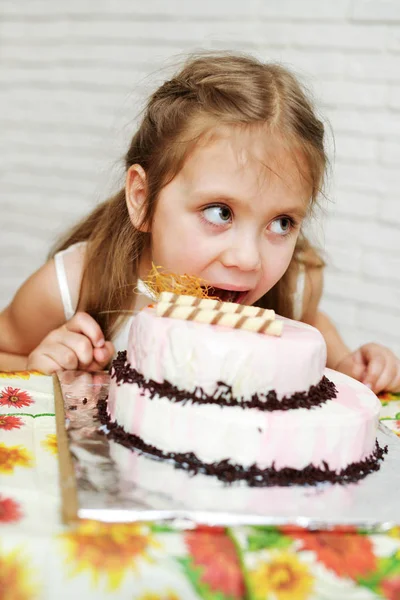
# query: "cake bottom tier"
333, 442
254, 476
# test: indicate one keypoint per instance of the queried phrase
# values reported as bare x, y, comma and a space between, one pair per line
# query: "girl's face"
232, 215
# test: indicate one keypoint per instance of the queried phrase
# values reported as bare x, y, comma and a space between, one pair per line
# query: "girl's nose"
243, 254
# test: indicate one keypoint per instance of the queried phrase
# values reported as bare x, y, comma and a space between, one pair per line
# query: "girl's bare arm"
336, 348
34, 334
373, 364
35, 310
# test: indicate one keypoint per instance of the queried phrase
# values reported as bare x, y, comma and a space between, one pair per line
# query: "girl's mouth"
227, 295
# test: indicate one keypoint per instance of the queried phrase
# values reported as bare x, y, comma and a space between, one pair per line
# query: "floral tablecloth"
40, 558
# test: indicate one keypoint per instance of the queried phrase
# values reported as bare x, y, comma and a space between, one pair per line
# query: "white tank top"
120, 339
65, 261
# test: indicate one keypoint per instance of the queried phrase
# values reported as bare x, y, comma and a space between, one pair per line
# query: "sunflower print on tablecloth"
125, 546
14, 456
18, 577
50, 443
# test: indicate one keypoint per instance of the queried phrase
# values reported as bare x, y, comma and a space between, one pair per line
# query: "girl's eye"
217, 215
282, 226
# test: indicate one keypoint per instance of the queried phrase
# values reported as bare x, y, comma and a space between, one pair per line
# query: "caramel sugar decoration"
159, 281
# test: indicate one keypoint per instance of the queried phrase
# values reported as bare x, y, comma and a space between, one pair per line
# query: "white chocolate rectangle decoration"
216, 317
210, 304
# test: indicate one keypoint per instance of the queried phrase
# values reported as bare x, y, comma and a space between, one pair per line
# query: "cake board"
105, 481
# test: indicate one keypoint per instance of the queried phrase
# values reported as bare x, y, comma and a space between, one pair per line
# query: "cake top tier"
189, 354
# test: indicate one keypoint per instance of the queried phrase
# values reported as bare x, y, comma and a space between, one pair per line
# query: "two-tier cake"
241, 394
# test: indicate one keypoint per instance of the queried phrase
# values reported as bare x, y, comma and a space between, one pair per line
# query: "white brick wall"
72, 79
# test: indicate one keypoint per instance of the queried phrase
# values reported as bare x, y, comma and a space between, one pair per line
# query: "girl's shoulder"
37, 307
34, 311
77, 249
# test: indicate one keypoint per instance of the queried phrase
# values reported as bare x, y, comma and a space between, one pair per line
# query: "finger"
358, 357
352, 365
81, 345
44, 364
83, 323
61, 354
394, 385
358, 369
386, 378
103, 355
375, 368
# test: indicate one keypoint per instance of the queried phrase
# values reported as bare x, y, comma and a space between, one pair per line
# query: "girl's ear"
136, 194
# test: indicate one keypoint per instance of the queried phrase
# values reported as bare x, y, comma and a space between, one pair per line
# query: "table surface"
40, 558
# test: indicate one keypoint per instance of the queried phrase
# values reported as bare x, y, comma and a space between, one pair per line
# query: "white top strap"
63, 285
62, 278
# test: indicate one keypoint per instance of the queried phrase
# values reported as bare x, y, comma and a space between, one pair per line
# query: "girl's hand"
374, 365
77, 345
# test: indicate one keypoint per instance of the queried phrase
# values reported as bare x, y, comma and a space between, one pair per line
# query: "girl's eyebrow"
216, 193
299, 211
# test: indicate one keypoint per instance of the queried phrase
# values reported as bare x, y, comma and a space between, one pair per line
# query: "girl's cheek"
276, 265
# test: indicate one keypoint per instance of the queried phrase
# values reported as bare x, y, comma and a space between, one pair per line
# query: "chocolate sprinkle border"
317, 395
228, 472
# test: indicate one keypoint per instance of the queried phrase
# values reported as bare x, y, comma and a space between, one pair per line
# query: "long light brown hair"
233, 90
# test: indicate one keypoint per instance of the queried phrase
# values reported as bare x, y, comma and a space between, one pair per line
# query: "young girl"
228, 161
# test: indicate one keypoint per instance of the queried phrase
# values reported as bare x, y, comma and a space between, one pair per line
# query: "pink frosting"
189, 354
339, 432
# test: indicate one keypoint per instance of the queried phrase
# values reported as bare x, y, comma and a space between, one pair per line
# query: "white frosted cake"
241, 405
